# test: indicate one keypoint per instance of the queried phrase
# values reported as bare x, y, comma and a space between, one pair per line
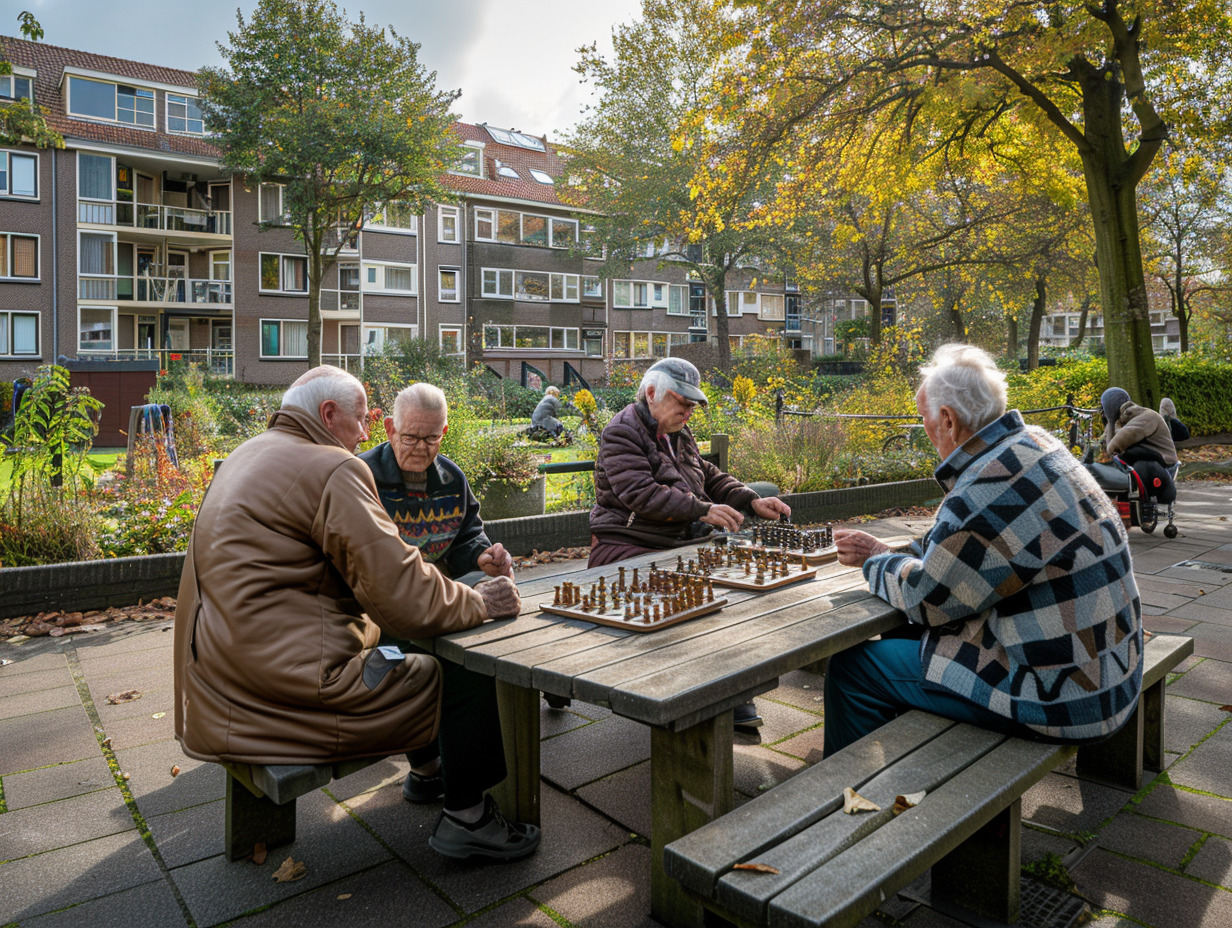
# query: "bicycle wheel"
894, 443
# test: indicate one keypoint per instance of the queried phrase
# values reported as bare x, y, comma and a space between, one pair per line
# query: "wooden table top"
684, 673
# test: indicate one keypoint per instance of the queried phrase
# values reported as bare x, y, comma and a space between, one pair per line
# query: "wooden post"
720, 445
982, 874
691, 783
518, 794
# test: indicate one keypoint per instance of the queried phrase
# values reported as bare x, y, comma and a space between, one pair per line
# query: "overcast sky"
512, 59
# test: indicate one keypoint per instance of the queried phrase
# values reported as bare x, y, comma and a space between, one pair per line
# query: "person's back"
1134, 431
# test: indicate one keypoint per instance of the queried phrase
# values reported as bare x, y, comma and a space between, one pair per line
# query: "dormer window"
113, 102
184, 115
471, 161
505, 171
542, 177
16, 86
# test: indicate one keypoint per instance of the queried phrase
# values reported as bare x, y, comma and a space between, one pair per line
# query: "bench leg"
518, 793
982, 874
1120, 760
691, 784
250, 820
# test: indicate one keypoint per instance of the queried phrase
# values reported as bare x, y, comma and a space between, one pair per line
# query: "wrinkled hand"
723, 517
496, 561
855, 547
771, 507
500, 597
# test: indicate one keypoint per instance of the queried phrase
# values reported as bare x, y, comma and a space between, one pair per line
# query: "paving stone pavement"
102, 836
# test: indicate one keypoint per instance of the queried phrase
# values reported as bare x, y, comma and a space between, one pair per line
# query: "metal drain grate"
1041, 906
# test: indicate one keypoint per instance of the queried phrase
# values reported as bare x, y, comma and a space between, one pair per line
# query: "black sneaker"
746, 719
422, 790
491, 836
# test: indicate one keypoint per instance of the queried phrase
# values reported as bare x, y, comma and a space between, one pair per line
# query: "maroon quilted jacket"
647, 496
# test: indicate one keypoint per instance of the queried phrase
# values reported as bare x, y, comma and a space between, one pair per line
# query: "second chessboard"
810, 546
744, 568
642, 600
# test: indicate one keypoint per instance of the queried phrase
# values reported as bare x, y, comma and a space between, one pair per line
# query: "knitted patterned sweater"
1025, 588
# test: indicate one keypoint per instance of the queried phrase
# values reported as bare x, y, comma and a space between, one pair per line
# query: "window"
497, 282
19, 256
677, 300
447, 224
534, 230
451, 339
771, 307
565, 287
18, 174
18, 333
184, 114
376, 336
646, 344
114, 102
540, 337
284, 273
96, 330
471, 161
395, 215
94, 177
447, 284
639, 294
394, 278
542, 177
505, 170
485, 225
15, 86
284, 338
96, 253
531, 285
271, 206
564, 233
592, 288
508, 227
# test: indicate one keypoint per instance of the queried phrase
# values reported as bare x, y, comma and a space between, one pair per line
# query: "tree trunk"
717, 282
316, 273
956, 319
1180, 303
1037, 317
1083, 315
1011, 337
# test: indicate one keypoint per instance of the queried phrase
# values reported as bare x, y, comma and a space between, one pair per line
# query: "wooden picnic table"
683, 681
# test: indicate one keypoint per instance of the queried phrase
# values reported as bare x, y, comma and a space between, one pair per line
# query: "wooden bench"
1139, 745
835, 869
260, 803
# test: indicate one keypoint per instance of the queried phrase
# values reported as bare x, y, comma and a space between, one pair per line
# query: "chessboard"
811, 546
640, 600
744, 568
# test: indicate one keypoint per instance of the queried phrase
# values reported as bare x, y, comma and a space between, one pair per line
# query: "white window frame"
681, 292
440, 340
552, 331
477, 149
7, 317
6, 164
188, 120
282, 272
631, 337
457, 285
283, 216
552, 220
442, 231
381, 226
547, 230
653, 293
568, 285
115, 117
764, 312
501, 287
484, 214
6, 242
111, 342
18, 73
261, 323
372, 337
592, 291
378, 270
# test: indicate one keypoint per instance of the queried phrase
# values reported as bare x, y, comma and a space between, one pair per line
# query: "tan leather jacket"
290, 549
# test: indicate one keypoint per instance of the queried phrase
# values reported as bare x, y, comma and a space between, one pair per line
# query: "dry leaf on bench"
909, 801
259, 853
127, 696
853, 802
756, 868
290, 871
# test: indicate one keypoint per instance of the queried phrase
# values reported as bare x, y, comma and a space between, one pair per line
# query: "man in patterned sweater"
1022, 596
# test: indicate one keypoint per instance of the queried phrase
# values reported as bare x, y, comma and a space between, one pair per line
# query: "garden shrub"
797, 456
44, 525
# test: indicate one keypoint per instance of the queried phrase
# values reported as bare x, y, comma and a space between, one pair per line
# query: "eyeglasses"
689, 405
412, 441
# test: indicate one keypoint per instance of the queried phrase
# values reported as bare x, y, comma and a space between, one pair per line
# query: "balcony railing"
219, 361
154, 216
351, 363
141, 289
339, 301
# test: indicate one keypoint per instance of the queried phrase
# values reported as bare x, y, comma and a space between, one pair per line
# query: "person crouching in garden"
653, 489
1022, 593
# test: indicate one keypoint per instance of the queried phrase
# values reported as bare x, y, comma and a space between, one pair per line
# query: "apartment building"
1059, 328
131, 243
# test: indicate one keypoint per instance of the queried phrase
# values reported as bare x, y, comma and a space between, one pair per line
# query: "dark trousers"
469, 742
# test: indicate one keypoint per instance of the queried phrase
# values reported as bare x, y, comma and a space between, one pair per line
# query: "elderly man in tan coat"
293, 571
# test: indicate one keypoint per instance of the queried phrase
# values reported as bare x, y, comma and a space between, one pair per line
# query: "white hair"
552, 390
325, 383
966, 379
422, 396
661, 380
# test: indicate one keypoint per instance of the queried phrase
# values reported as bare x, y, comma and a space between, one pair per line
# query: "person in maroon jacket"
653, 489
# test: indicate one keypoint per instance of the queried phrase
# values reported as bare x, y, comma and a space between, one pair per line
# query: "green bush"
797, 456
46, 526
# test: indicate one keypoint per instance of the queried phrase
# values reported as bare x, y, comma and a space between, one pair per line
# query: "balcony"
153, 217
219, 361
177, 291
340, 304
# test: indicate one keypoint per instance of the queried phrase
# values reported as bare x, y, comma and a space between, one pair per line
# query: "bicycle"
913, 438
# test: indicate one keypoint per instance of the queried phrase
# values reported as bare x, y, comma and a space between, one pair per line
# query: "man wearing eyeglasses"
426, 494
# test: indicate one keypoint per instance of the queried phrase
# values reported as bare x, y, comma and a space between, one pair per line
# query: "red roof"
520, 159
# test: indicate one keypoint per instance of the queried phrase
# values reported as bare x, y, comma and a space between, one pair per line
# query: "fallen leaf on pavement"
290, 871
344, 896
158, 715
259, 853
127, 696
107, 742
175, 770
909, 801
1225, 708
756, 868
853, 802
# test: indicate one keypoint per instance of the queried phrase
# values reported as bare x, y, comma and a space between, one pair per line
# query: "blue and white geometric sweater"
1025, 586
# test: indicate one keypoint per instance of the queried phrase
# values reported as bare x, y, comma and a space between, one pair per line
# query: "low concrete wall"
122, 581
